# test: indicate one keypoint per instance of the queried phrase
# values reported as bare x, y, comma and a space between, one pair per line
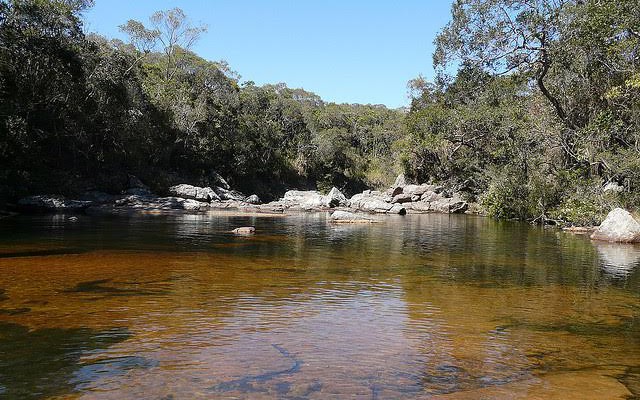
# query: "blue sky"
346, 51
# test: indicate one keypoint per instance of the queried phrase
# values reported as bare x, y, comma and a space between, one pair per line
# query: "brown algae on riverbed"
446, 307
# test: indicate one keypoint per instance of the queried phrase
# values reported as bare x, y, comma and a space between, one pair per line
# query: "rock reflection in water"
618, 259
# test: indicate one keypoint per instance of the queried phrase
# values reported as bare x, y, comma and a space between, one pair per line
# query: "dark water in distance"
431, 306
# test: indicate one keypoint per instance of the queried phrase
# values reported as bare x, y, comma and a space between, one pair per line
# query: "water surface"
432, 306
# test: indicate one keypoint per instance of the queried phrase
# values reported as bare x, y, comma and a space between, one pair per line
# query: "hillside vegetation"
534, 112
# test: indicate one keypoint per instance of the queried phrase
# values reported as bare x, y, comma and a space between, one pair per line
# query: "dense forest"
534, 112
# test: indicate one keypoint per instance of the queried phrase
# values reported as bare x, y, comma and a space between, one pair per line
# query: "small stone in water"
244, 230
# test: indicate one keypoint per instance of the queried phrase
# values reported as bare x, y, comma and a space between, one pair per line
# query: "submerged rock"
619, 226
244, 230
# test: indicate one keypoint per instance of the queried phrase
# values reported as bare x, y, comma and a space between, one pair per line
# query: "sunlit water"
433, 306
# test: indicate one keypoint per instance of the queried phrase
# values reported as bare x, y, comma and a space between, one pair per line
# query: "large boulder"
400, 181
397, 186
305, 199
371, 201
44, 203
253, 199
219, 181
194, 192
619, 226
335, 198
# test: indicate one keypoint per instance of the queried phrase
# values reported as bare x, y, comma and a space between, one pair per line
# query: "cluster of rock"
309, 200
138, 197
401, 198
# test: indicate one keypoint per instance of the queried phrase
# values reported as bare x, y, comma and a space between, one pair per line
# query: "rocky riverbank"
401, 198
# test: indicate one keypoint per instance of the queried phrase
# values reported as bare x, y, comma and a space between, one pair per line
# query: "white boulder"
619, 226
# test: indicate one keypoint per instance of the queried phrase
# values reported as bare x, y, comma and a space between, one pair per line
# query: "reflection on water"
618, 260
435, 306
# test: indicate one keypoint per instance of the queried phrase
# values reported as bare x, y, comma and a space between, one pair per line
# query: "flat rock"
52, 203
198, 193
346, 217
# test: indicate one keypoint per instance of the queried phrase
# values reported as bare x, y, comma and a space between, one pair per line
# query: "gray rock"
402, 198
394, 191
400, 181
194, 192
619, 226
612, 187
304, 199
253, 199
458, 206
225, 194
52, 203
219, 181
370, 201
417, 190
398, 209
335, 198
431, 196
349, 217
193, 205
419, 206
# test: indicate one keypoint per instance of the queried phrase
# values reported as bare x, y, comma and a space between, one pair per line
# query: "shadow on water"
99, 287
41, 363
41, 253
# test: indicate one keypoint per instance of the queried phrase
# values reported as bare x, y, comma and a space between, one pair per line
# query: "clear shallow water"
432, 306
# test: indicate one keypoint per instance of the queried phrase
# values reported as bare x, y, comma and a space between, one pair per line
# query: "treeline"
541, 119
81, 112
534, 112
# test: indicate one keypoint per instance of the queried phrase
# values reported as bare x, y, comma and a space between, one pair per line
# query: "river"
414, 307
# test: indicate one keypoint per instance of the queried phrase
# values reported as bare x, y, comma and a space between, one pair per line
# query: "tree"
172, 29
503, 36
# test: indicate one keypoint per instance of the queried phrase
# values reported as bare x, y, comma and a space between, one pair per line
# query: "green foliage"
542, 111
81, 112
